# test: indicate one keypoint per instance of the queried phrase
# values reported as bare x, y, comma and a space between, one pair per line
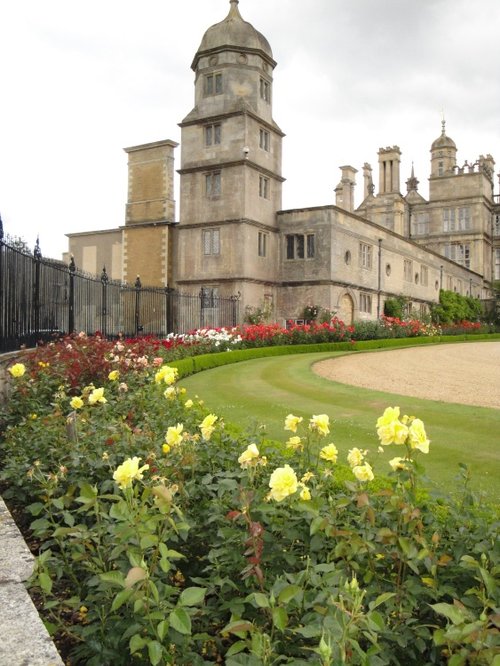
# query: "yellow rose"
17, 370
291, 422
390, 429
188, 404
167, 375
113, 375
418, 438
397, 463
207, 426
355, 457
129, 471
249, 456
76, 402
283, 482
174, 435
320, 422
294, 443
307, 477
330, 453
305, 493
165, 448
170, 393
96, 396
363, 472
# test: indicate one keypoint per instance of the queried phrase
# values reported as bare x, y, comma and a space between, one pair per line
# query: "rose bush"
166, 536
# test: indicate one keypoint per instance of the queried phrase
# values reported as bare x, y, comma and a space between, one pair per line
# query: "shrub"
168, 537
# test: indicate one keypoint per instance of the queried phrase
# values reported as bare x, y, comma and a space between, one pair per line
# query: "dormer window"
213, 84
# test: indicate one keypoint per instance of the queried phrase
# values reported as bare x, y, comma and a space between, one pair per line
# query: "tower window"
421, 224
464, 218
440, 168
213, 84
365, 303
365, 255
264, 187
459, 252
213, 134
211, 241
265, 90
448, 219
262, 244
264, 139
299, 246
310, 246
213, 184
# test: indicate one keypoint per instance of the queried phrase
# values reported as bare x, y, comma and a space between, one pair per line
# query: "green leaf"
381, 599
261, 600
180, 621
457, 660
162, 629
489, 583
113, 577
136, 643
120, 599
288, 593
45, 582
449, 611
192, 596
88, 494
237, 627
235, 648
36, 508
148, 541
155, 651
280, 618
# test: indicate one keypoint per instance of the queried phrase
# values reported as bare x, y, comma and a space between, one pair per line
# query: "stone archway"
346, 309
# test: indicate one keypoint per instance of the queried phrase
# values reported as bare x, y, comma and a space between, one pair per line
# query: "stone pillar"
389, 160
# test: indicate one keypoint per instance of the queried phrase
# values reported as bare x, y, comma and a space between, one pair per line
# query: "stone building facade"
232, 237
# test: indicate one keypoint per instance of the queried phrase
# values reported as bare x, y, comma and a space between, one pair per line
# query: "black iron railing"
41, 299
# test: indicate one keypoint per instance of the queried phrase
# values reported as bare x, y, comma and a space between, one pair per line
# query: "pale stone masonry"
232, 237
25, 641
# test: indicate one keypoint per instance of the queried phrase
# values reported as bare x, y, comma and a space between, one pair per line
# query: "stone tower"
230, 175
150, 213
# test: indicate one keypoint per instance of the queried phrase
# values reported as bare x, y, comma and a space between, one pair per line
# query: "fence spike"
37, 253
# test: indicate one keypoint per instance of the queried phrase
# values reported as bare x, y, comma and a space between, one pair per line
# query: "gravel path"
466, 373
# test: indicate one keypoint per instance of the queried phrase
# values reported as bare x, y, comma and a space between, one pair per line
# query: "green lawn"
264, 391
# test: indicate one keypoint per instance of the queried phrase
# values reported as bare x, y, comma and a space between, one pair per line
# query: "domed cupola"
233, 33
443, 154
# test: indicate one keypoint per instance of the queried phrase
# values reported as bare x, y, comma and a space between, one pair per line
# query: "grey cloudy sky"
79, 81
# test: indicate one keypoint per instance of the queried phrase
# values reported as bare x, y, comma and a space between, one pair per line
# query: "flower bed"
168, 537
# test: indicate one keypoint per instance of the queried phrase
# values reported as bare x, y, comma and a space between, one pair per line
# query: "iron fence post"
71, 304
137, 286
37, 257
104, 281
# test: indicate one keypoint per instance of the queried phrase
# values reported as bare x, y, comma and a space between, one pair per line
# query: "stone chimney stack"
344, 192
389, 160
